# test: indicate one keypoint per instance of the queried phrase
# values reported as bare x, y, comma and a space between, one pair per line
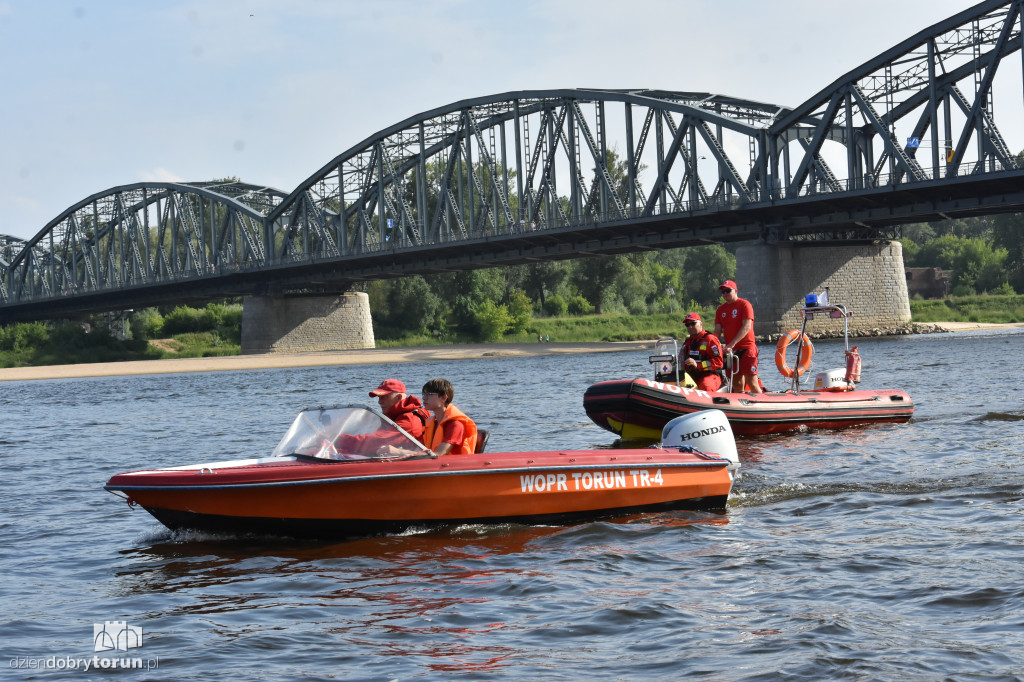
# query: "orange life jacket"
433, 433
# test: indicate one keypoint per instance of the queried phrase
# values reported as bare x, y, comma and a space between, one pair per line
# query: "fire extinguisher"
852, 366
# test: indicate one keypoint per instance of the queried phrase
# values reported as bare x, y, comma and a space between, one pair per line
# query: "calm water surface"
889, 552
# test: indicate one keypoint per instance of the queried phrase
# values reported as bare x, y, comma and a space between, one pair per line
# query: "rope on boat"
127, 498
691, 450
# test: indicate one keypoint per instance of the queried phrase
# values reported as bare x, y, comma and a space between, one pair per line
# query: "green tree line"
490, 304
181, 331
986, 255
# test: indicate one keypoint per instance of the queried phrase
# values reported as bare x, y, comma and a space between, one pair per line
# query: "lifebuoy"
804, 355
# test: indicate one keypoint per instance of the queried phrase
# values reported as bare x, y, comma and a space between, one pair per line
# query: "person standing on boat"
734, 325
449, 431
702, 354
405, 410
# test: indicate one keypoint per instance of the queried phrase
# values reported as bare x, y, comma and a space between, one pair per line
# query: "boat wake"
160, 535
773, 493
154, 535
1000, 417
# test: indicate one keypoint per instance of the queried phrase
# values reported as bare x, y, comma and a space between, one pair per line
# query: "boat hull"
640, 408
298, 497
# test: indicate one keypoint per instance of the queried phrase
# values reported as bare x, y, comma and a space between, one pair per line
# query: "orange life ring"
804, 355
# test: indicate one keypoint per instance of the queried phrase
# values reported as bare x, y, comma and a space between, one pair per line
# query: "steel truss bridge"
910, 136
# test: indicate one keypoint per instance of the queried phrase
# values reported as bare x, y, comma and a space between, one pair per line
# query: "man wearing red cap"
734, 324
405, 410
702, 354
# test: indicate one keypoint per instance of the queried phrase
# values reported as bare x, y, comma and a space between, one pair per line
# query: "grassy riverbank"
982, 309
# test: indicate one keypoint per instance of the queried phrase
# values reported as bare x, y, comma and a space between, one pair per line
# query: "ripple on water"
887, 552
1001, 417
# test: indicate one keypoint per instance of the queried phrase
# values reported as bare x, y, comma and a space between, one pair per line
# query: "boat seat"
481, 440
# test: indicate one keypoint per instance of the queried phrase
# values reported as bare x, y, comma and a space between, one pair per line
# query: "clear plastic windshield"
354, 432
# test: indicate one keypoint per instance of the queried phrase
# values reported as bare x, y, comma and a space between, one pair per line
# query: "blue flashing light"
811, 301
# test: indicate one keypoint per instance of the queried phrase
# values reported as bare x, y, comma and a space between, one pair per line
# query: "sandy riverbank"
973, 326
356, 357
317, 359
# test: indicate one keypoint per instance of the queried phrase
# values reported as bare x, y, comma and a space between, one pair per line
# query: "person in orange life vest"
449, 431
404, 410
702, 353
734, 325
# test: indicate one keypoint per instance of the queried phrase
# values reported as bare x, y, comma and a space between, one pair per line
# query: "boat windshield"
345, 433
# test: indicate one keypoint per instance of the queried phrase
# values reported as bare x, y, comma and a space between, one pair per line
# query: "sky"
102, 93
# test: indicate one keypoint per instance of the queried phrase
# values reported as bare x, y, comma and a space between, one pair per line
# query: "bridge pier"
868, 279
291, 324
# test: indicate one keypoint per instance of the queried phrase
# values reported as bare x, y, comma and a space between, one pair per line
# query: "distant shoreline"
974, 326
361, 357
364, 356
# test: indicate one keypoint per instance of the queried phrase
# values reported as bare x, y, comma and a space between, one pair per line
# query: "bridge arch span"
142, 234
517, 162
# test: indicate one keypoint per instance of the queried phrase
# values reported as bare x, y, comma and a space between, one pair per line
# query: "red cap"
692, 316
388, 386
727, 284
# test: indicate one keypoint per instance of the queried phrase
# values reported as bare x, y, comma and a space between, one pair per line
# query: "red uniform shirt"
731, 316
452, 432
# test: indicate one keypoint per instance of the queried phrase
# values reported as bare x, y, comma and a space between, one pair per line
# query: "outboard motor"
832, 380
708, 431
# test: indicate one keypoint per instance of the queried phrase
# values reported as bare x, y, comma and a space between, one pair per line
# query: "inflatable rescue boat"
639, 408
350, 471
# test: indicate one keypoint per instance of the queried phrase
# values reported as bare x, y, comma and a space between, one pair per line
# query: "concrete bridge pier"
296, 323
868, 278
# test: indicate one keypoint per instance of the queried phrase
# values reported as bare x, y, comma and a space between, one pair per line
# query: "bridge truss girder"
142, 235
937, 87
519, 163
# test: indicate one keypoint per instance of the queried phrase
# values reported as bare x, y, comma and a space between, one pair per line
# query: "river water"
880, 553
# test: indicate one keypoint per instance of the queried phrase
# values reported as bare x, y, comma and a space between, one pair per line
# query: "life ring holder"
804, 355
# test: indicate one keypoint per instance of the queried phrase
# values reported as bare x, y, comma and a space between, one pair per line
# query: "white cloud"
24, 203
159, 175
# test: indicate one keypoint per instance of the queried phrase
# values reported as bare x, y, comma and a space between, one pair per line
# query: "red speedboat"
350, 471
640, 408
